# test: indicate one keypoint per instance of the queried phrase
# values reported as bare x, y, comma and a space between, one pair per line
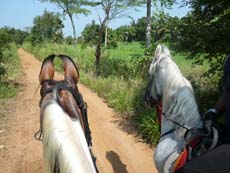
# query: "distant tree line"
7, 36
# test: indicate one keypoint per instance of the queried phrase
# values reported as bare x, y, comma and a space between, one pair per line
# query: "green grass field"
126, 50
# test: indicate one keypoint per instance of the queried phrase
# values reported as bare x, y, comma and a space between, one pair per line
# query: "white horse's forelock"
160, 52
64, 142
178, 104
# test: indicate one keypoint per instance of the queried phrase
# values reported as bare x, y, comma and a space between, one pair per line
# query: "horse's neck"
64, 139
178, 100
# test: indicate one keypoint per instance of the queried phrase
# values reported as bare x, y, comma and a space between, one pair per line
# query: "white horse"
65, 147
169, 86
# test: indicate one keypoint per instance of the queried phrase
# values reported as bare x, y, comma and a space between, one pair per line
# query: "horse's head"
63, 119
153, 93
64, 88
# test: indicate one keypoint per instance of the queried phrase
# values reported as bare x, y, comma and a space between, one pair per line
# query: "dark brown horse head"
63, 94
64, 97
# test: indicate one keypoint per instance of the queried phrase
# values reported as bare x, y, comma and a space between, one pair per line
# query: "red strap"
181, 160
159, 112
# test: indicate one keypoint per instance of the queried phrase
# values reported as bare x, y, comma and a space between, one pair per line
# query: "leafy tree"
6, 38
140, 28
17, 35
126, 33
90, 33
206, 31
112, 9
47, 27
71, 7
4, 43
149, 3
69, 40
9, 35
165, 28
111, 39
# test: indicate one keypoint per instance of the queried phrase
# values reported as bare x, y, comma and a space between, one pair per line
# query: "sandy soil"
118, 150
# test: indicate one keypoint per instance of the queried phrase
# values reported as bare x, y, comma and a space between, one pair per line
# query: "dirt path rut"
117, 150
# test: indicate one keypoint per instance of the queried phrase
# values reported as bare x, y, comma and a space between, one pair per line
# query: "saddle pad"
215, 161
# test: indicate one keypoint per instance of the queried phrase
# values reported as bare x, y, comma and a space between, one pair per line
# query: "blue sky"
20, 14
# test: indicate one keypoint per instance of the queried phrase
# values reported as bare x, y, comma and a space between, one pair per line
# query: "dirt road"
117, 150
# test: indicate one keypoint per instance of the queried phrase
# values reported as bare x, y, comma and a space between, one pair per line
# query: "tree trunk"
98, 48
74, 30
148, 27
98, 57
106, 36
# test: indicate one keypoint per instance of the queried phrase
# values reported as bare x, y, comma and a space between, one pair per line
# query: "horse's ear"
70, 68
158, 50
165, 51
47, 69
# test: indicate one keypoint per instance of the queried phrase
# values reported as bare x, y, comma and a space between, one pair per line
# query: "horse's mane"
177, 93
57, 128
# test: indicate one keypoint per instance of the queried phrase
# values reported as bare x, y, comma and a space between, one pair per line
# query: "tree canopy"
210, 22
71, 7
47, 27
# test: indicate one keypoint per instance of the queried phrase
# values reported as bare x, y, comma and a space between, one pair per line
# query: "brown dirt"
117, 150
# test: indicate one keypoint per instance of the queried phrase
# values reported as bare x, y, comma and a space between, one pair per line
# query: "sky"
20, 14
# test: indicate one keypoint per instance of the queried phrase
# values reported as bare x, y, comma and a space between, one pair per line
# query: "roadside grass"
122, 80
8, 81
126, 50
12, 66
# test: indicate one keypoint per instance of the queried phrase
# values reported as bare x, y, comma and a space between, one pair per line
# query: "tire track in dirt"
117, 150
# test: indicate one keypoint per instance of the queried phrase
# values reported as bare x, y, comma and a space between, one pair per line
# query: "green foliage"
12, 70
111, 40
149, 130
140, 28
126, 33
6, 38
164, 28
17, 35
206, 32
7, 90
47, 27
69, 40
71, 6
9, 35
132, 67
4, 43
90, 33
2, 68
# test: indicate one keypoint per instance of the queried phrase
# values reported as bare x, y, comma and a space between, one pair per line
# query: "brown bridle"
66, 92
